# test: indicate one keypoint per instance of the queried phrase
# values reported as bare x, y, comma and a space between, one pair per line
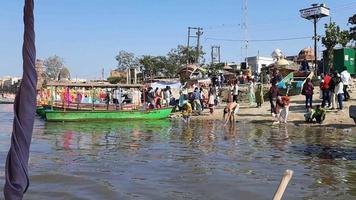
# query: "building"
256, 63
8, 82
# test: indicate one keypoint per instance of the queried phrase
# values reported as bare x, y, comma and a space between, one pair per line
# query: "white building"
257, 62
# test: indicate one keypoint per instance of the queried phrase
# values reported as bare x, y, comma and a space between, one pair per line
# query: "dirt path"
334, 118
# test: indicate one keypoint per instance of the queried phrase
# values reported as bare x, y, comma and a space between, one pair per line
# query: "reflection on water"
170, 160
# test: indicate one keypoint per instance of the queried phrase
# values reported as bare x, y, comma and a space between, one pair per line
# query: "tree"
126, 60
178, 57
352, 21
330, 40
153, 65
53, 65
216, 67
344, 38
115, 80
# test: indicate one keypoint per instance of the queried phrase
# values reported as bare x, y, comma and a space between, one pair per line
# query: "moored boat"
352, 113
57, 115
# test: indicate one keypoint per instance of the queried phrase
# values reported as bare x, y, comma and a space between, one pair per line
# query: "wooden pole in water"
283, 184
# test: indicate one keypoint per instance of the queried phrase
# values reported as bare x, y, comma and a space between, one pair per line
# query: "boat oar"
283, 184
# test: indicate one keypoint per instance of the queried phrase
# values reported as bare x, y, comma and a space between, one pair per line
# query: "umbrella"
16, 169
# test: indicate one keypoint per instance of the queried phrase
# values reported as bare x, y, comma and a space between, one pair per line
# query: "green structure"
61, 116
344, 57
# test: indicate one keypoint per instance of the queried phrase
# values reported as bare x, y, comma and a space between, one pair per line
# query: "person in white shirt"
339, 90
235, 91
346, 80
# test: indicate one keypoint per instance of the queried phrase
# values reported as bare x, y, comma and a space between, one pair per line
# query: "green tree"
330, 40
115, 80
53, 66
216, 67
178, 57
352, 21
126, 60
153, 65
343, 38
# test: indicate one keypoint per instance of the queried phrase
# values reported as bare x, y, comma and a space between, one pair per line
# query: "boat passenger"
167, 95
150, 98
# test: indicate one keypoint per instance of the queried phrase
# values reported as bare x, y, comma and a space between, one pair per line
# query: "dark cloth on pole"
16, 169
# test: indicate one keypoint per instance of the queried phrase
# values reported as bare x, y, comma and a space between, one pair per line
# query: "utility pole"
215, 54
244, 28
102, 73
315, 46
188, 45
199, 33
197, 36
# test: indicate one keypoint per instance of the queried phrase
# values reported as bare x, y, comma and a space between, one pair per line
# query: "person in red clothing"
325, 88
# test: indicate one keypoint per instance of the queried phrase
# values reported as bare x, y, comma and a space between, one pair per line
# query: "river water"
170, 160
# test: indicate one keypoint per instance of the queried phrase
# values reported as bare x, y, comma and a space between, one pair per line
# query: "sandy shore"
334, 118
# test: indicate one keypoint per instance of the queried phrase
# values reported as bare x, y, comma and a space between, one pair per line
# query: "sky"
88, 34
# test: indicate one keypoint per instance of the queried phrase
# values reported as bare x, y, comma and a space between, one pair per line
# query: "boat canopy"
94, 84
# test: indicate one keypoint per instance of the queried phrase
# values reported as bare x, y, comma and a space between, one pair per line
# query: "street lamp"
314, 13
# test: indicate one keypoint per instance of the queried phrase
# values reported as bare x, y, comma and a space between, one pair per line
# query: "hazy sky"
89, 33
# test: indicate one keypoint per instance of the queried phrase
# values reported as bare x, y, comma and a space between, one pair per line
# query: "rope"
16, 169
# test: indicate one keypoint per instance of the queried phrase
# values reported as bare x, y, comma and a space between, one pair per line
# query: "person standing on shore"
332, 86
167, 95
283, 103
339, 90
273, 94
196, 100
235, 91
308, 91
211, 101
324, 86
259, 95
251, 92
346, 80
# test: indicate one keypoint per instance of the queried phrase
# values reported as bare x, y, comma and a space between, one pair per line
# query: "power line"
258, 40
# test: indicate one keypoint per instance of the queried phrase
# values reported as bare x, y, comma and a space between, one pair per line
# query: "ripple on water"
170, 160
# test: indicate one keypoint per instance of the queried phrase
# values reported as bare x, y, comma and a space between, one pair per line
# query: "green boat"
121, 115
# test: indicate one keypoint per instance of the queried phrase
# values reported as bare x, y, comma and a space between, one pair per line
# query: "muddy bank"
334, 118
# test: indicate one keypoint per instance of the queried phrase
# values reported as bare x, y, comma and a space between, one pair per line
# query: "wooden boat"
6, 101
81, 115
61, 111
352, 113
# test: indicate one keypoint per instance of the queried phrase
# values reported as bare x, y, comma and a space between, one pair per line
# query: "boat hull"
352, 113
60, 116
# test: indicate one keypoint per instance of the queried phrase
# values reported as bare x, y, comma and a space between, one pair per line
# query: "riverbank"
334, 118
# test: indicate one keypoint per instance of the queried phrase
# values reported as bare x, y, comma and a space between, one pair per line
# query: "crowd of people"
333, 87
